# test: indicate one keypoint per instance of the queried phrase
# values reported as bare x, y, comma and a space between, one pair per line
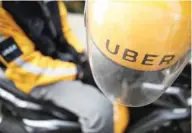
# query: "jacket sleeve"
31, 68
68, 34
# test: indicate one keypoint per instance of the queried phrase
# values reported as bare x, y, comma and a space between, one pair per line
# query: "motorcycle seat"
45, 107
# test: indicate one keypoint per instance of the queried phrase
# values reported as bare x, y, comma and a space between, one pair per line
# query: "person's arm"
25, 66
68, 34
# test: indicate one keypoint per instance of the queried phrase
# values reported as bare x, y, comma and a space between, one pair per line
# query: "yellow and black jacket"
31, 34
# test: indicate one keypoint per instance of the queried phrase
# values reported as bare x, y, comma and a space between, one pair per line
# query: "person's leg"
93, 108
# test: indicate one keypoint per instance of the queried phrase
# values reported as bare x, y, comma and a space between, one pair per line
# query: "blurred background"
75, 6
76, 14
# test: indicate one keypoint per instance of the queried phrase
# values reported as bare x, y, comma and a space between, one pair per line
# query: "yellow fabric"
22, 71
71, 38
141, 35
121, 118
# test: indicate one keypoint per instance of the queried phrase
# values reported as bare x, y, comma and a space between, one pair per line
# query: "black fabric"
55, 17
28, 15
35, 18
9, 50
60, 40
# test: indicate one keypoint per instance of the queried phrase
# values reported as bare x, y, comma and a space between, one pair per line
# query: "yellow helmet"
137, 43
